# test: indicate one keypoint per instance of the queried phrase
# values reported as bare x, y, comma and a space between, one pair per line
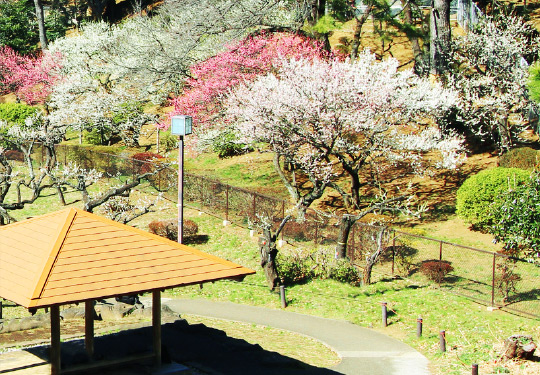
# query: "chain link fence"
487, 277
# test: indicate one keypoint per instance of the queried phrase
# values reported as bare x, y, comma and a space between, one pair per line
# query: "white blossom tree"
332, 121
490, 72
145, 59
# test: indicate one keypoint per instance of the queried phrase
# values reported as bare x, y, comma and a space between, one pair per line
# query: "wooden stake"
156, 324
55, 352
89, 328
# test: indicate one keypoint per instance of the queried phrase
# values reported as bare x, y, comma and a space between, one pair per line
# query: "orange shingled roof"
72, 255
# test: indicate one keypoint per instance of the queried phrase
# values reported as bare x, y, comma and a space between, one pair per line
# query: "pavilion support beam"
55, 352
156, 324
89, 328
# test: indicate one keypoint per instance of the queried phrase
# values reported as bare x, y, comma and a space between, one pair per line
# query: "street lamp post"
181, 125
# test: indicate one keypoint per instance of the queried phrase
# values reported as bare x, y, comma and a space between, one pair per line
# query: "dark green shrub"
97, 137
515, 220
481, 192
226, 145
294, 268
523, 157
342, 270
302, 265
18, 26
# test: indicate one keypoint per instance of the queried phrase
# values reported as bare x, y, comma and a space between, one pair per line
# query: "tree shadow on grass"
197, 239
207, 350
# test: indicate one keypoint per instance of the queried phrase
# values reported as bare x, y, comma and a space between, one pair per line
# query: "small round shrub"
14, 155
169, 228
343, 271
523, 158
294, 268
226, 145
436, 270
481, 192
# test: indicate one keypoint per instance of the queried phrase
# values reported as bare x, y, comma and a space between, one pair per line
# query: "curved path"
362, 350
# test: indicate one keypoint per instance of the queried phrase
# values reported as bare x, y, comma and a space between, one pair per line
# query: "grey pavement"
362, 350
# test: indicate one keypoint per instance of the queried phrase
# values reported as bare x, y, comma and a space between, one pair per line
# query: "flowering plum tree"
490, 72
30, 78
329, 120
242, 61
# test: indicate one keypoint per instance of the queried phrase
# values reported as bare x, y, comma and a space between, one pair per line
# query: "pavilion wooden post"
55, 352
89, 328
156, 324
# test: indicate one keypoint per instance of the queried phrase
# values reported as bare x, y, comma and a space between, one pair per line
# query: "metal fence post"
254, 206
493, 282
393, 252
474, 369
227, 203
440, 279
419, 327
352, 250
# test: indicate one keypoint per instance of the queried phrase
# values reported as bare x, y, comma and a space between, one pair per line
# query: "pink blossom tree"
30, 78
244, 61
330, 120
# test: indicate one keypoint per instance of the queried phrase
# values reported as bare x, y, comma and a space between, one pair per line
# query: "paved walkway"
362, 350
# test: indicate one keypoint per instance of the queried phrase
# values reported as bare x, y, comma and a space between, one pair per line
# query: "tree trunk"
440, 36
268, 250
60, 195
318, 9
373, 258
505, 140
413, 38
366, 279
347, 221
358, 31
41, 24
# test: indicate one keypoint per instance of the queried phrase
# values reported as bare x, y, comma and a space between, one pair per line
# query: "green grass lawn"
474, 334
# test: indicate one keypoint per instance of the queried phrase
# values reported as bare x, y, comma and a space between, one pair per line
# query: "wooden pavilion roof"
72, 256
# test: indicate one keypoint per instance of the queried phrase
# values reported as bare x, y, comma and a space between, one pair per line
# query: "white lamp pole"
181, 125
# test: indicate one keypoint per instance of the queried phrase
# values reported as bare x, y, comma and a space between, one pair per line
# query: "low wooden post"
55, 352
89, 328
156, 325
442, 341
282, 296
384, 314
